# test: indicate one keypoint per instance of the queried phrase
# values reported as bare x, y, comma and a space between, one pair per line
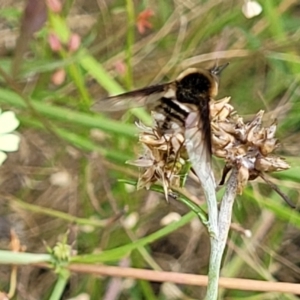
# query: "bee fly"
183, 103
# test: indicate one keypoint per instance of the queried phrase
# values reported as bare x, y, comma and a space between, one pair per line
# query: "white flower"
251, 9
9, 142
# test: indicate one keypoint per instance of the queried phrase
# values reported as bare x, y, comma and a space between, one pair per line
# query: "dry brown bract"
247, 146
163, 158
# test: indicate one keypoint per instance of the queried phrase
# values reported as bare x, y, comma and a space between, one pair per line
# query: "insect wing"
131, 99
198, 148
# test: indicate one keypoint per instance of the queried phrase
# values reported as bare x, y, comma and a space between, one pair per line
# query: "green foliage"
263, 74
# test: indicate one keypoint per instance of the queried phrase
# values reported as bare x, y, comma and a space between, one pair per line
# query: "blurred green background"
65, 176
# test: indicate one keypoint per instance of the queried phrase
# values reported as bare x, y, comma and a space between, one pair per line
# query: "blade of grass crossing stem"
119, 252
95, 69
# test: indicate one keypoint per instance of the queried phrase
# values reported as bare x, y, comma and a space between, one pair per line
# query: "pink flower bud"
54, 42
54, 5
58, 77
74, 42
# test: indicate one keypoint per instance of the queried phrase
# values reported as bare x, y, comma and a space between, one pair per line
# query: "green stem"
119, 252
214, 263
60, 285
218, 243
67, 115
214, 271
56, 214
130, 42
205, 174
20, 258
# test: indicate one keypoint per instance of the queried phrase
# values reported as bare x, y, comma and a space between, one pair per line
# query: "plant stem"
218, 243
213, 271
60, 285
205, 174
129, 42
226, 209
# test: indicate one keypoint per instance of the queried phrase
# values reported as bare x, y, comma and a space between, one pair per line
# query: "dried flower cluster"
164, 158
246, 146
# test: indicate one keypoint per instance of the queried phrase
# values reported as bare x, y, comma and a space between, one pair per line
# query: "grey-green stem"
218, 223
218, 243
206, 177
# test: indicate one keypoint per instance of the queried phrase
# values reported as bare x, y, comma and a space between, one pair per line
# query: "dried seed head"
270, 164
163, 159
247, 146
242, 178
